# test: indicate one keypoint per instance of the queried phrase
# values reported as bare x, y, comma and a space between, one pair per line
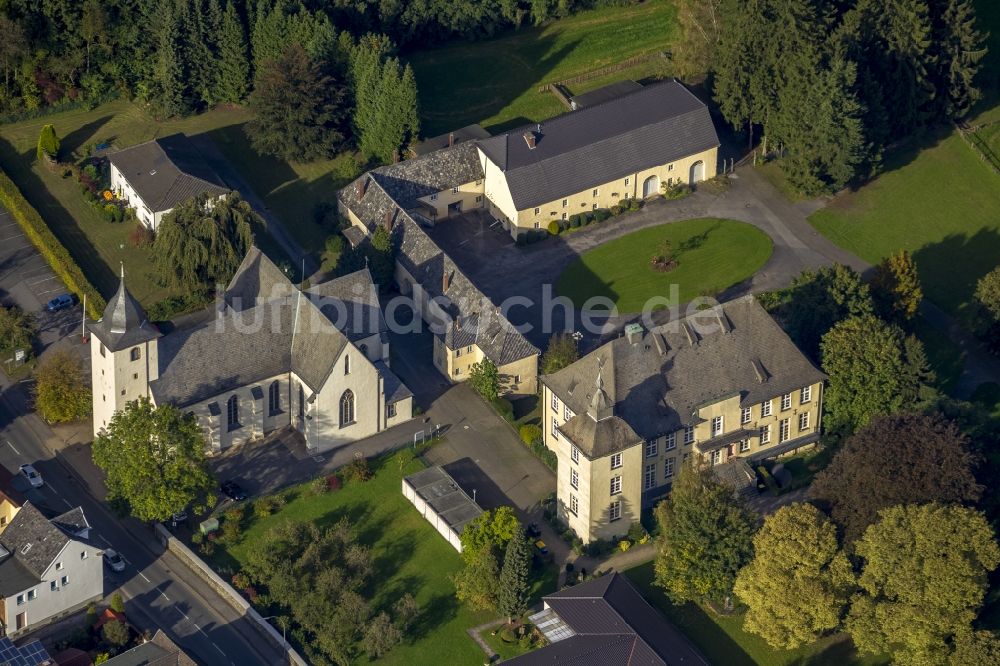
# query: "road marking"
11, 237
101, 537
12, 446
219, 649
144, 578
66, 502
54, 490
51, 277
164, 596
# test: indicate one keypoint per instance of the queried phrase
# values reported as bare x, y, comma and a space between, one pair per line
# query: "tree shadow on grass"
439, 610
75, 140
950, 268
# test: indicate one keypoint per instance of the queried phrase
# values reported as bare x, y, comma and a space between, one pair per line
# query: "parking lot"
27, 281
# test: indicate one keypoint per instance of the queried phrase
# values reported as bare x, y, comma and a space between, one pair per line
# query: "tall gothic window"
274, 397
346, 408
233, 412
302, 402
347, 364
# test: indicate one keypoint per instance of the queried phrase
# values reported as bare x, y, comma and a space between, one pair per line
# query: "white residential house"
156, 176
47, 569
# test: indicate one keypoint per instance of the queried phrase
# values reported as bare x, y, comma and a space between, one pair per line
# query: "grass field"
712, 254
495, 82
409, 556
940, 203
723, 641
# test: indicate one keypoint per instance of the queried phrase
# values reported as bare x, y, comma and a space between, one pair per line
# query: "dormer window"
135, 354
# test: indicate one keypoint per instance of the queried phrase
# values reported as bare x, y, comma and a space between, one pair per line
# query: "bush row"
531, 435
556, 227
57, 256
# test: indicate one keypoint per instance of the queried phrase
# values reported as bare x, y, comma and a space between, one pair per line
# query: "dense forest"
182, 56
834, 82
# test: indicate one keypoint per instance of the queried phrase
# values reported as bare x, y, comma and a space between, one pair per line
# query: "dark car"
233, 491
59, 303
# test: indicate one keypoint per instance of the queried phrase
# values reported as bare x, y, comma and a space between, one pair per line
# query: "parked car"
233, 491
114, 560
34, 478
60, 302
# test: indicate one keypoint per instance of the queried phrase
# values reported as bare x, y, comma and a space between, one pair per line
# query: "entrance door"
650, 186
21, 621
697, 172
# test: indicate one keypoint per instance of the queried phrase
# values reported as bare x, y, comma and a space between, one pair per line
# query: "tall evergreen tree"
959, 47
234, 64
168, 92
512, 594
299, 110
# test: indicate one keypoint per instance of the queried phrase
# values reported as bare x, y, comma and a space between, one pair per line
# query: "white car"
114, 560
32, 475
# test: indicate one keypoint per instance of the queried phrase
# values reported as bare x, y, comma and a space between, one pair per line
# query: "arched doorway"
650, 186
697, 172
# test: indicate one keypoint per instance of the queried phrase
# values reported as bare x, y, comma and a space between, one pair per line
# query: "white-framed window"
20, 600
536, 211
668, 467
564, 216
565, 203
479, 197
783, 428
626, 182
454, 190
651, 448
593, 206
649, 478
64, 581
83, 554
688, 434
765, 434
786, 401
574, 453
555, 428
390, 410
567, 412
574, 478
434, 197
805, 395
53, 586
615, 511
671, 442
744, 445
716, 457
574, 505
803, 421
746, 415
716, 426
765, 408
59, 566
616, 485
458, 371
670, 167
458, 352
555, 403
616, 460
32, 594
536, 226
594, 193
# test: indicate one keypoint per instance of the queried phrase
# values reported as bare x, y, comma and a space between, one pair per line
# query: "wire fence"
971, 136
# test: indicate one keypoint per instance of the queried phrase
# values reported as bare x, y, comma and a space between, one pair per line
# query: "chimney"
451, 139
530, 139
361, 185
445, 282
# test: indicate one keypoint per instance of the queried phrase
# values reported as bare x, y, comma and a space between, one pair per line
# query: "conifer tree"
959, 48
512, 595
168, 97
896, 287
234, 64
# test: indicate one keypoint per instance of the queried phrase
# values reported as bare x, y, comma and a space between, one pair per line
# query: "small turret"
601, 406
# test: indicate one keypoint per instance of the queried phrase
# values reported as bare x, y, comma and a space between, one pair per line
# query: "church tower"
123, 355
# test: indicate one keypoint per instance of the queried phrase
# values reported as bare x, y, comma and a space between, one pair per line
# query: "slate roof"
400, 185
467, 133
657, 384
167, 171
613, 626
124, 322
72, 522
263, 327
606, 93
351, 303
578, 150
393, 387
474, 318
159, 651
31, 542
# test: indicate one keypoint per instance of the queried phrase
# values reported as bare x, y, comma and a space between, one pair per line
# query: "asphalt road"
159, 590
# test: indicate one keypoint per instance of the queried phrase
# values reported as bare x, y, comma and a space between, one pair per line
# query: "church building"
273, 356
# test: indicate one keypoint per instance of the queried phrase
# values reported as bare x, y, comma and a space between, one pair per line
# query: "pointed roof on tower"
124, 323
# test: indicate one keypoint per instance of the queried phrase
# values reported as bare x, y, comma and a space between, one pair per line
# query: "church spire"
600, 406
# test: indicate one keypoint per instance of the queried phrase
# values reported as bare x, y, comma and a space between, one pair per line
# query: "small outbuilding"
442, 502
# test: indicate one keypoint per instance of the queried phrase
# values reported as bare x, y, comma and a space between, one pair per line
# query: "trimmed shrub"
521, 239
530, 433
319, 486
48, 143
634, 204
504, 409
616, 210
554, 227
56, 255
335, 244
574, 221
601, 214
358, 470
141, 236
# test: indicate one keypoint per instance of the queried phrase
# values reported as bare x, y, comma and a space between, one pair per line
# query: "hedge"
57, 256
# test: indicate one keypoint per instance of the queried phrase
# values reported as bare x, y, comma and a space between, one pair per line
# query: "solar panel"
32, 654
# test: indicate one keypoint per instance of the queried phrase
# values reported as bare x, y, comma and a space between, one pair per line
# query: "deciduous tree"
923, 580
477, 583
987, 297
799, 583
896, 287
561, 352
898, 459
706, 538
699, 23
154, 459
61, 391
17, 329
485, 379
381, 635
975, 648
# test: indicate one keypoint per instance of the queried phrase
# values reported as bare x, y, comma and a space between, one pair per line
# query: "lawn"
495, 82
712, 255
723, 641
409, 556
97, 245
